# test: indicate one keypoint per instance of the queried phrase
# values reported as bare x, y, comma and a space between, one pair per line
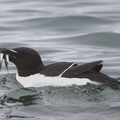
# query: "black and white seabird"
33, 73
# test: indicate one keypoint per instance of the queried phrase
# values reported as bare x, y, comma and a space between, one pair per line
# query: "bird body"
31, 68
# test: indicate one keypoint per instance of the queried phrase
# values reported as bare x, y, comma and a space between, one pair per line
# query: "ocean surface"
61, 30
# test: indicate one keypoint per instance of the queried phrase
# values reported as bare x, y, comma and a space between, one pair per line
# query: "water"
74, 31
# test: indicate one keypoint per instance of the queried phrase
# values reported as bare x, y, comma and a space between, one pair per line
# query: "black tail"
99, 77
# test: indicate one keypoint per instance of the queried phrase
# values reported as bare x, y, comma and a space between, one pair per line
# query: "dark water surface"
64, 30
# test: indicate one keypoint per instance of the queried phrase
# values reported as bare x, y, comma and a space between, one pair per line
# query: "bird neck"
28, 72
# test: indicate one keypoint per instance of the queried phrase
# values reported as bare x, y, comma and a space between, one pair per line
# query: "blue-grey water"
61, 30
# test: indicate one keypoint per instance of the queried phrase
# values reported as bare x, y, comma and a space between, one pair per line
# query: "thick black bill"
5, 55
6, 60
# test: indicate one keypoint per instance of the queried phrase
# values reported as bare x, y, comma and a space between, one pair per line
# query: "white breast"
39, 80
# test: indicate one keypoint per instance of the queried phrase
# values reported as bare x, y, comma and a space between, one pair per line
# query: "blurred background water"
66, 30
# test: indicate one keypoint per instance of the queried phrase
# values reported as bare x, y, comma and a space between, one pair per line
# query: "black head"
27, 60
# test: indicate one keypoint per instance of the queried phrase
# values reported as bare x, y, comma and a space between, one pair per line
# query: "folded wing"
57, 68
80, 69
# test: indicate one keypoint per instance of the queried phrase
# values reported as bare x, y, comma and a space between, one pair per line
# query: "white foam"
39, 80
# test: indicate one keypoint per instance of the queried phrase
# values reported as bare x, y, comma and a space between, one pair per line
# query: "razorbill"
33, 73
